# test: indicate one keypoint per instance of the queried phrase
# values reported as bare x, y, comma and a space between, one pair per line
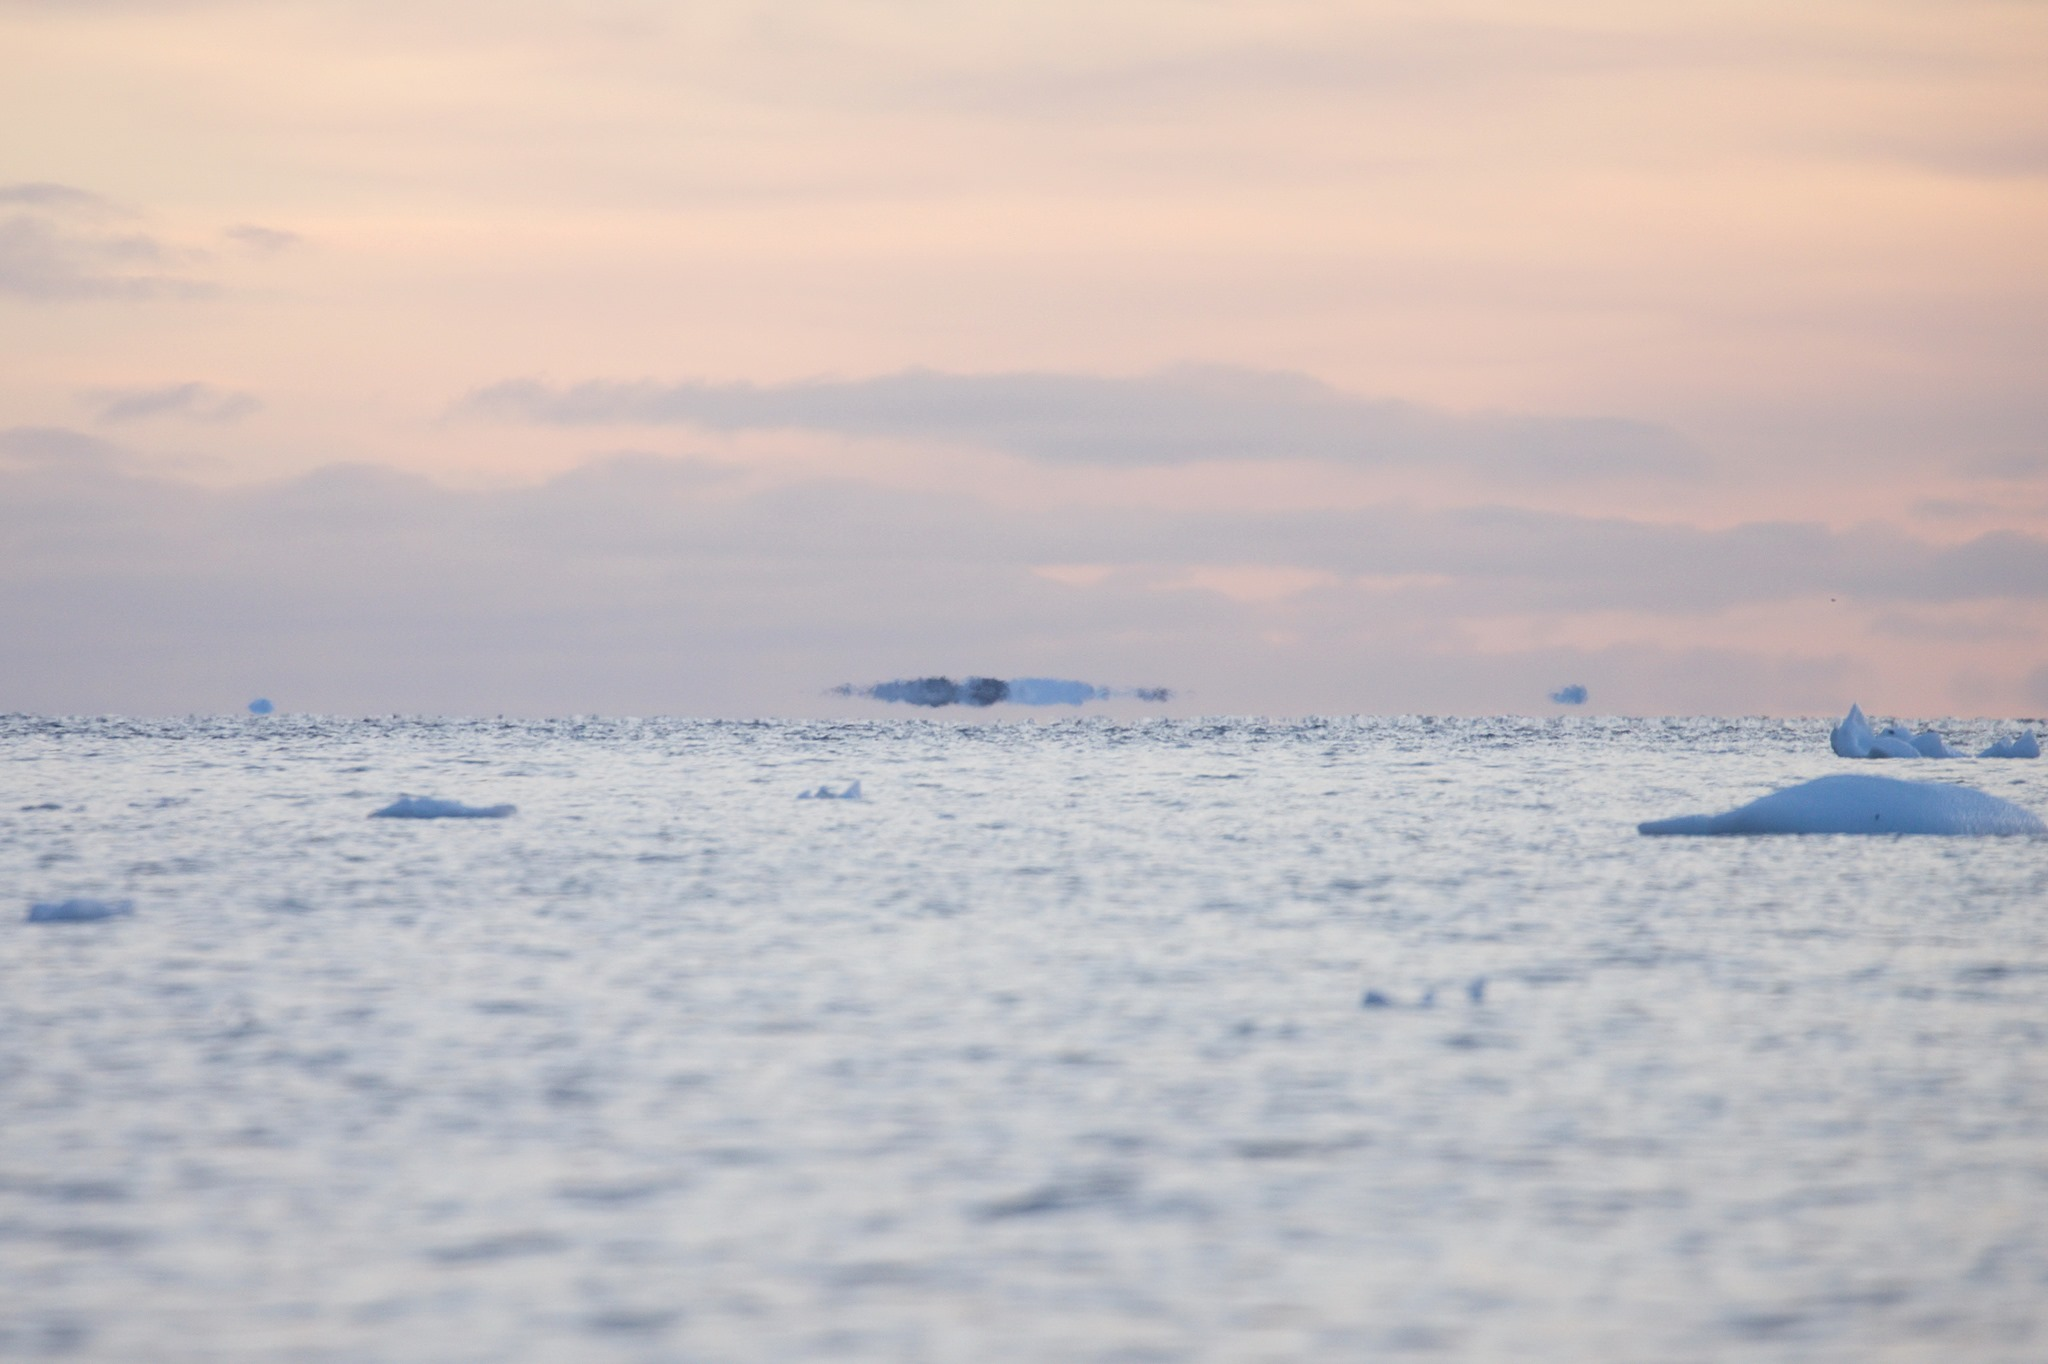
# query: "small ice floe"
1573, 695
427, 807
1853, 738
1475, 990
78, 911
827, 793
1844, 804
262, 705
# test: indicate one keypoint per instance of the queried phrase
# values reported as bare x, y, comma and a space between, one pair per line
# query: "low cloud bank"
641, 585
58, 242
1179, 416
195, 401
990, 691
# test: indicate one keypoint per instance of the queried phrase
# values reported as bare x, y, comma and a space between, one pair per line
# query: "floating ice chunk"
427, 807
1851, 738
827, 793
1932, 745
261, 706
1845, 804
78, 911
2026, 746
1573, 695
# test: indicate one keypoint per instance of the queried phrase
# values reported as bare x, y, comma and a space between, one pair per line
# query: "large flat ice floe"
427, 807
1854, 738
1845, 804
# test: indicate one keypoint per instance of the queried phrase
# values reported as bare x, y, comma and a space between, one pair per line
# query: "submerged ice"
1854, 738
1846, 804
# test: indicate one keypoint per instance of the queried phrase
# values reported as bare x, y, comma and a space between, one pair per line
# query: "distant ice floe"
262, 705
1846, 804
1853, 738
827, 793
427, 807
1573, 695
78, 911
1475, 990
989, 691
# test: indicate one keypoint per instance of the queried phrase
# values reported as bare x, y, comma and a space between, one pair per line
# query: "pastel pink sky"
1787, 261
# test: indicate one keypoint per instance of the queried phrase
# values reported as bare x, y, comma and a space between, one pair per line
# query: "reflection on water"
1052, 1047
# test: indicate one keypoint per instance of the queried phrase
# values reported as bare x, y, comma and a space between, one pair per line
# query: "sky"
639, 358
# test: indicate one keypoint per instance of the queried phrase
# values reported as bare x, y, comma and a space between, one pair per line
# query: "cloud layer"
193, 401
640, 584
58, 242
1180, 416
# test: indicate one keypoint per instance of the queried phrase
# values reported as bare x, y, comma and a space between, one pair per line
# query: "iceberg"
2026, 746
426, 807
1054, 691
1845, 804
988, 691
1851, 738
1892, 742
262, 705
827, 793
1932, 745
1573, 695
78, 911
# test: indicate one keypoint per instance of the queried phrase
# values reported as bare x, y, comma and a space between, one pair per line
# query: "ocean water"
1052, 1048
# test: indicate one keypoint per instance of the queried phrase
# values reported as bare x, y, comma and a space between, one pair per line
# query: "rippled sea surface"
1051, 1048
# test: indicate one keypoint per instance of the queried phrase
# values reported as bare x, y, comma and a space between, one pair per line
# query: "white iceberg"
1853, 738
427, 807
78, 911
1932, 745
2026, 746
827, 793
1845, 804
